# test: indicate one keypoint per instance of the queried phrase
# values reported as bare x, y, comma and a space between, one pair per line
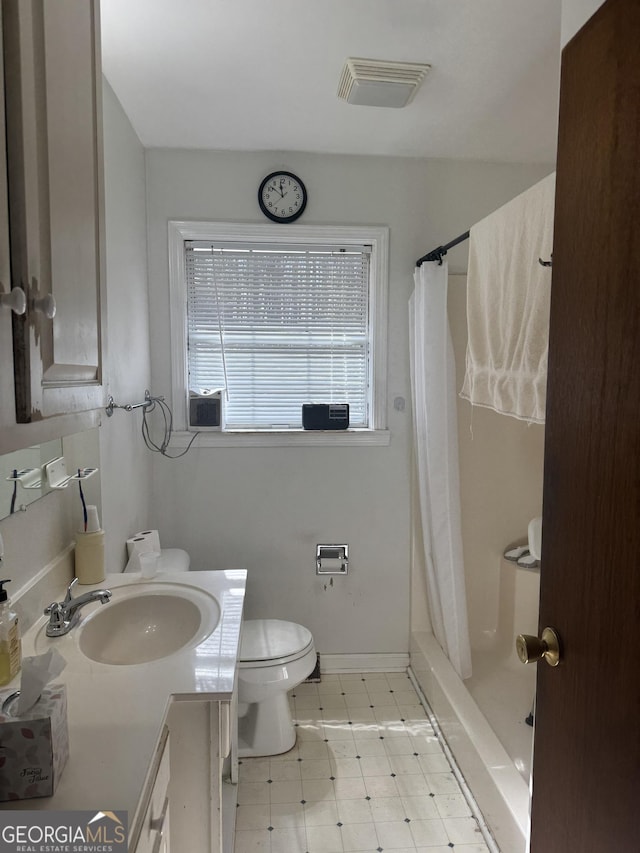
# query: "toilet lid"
266, 639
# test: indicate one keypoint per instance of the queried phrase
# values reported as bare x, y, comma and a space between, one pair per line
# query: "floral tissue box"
33, 747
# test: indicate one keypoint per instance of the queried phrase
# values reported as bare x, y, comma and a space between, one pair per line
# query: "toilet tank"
171, 560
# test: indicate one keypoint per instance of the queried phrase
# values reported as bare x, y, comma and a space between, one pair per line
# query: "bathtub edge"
500, 791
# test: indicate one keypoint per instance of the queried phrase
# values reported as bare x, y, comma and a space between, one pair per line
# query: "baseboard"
364, 663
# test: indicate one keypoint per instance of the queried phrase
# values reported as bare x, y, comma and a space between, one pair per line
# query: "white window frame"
375, 236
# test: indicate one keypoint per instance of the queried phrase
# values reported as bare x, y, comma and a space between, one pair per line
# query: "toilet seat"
272, 642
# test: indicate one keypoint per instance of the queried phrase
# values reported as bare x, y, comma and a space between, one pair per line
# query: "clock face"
282, 197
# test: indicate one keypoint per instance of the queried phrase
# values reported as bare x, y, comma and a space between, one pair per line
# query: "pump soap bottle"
10, 644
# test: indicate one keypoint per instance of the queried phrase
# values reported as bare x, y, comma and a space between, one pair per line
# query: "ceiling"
263, 75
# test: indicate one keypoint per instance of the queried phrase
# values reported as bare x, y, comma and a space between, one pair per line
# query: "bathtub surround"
435, 447
501, 490
500, 486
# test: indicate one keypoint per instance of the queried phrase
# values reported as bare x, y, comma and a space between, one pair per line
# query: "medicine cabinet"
51, 199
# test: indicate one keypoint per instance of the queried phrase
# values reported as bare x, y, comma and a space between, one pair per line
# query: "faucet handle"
55, 614
68, 597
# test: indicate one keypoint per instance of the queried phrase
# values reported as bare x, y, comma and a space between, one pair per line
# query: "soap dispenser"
10, 644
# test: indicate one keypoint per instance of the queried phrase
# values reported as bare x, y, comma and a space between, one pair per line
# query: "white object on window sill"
286, 438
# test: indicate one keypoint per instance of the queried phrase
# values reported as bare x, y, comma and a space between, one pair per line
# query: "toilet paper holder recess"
332, 559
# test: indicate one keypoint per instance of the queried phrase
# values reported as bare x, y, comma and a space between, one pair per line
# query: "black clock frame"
274, 217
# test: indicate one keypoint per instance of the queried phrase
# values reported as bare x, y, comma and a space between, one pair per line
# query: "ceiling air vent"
376, 83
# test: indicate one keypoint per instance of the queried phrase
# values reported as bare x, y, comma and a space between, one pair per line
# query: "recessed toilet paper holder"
332, 559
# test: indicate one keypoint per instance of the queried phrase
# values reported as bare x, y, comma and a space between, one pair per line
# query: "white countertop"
116, 713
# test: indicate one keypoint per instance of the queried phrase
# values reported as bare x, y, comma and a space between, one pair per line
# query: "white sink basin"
144, 622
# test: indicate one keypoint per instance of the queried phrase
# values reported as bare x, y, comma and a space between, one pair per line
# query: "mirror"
14, 496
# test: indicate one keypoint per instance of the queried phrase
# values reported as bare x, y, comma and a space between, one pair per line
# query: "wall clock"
282, 197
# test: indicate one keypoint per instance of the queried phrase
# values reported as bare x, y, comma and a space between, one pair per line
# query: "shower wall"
501, 468
483, 718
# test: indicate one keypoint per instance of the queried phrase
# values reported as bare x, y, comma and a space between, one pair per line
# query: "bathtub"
483, 718
498, 787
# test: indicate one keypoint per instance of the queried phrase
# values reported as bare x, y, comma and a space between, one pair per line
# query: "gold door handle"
532, 649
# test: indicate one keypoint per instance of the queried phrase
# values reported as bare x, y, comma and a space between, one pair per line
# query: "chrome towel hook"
129, 407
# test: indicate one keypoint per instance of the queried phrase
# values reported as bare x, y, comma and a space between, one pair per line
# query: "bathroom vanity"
153, 736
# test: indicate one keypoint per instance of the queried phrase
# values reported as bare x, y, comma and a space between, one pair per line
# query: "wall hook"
148, 401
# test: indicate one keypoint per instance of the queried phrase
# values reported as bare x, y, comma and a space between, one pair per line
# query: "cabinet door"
54, 142
154, 832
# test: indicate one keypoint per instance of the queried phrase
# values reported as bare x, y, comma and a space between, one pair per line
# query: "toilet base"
265, 728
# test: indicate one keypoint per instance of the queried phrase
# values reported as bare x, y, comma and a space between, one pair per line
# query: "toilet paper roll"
146, 540
534, 535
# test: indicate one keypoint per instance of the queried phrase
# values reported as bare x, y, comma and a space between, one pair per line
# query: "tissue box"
34, 747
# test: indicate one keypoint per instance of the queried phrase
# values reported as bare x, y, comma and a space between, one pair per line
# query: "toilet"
275, 656
170, 560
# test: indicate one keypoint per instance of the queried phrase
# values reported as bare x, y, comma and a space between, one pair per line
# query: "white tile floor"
367, 774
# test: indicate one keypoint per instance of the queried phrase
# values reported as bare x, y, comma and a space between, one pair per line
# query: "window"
279, 317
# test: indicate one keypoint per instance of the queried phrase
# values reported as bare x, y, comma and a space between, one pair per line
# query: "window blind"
286, 325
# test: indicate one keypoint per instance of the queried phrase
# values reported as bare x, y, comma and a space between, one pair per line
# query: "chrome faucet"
62, 614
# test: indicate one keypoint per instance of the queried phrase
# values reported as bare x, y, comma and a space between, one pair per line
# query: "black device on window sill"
325, 415
205, 410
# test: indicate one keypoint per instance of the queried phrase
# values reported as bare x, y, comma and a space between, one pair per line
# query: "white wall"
266, 508
575, 13
125, 462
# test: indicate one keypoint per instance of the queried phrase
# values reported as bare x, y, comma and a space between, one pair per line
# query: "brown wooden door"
586, 770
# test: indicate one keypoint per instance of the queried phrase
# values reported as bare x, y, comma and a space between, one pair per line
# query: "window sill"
288, 438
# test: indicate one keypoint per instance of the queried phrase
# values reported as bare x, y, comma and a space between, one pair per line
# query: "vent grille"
373, 82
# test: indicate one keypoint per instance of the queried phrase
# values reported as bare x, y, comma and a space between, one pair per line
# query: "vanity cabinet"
155, 833
187, 803
53, 115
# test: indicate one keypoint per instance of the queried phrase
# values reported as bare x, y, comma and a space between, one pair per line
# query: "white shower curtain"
436, 460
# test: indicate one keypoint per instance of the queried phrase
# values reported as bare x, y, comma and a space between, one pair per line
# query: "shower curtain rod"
437, 254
